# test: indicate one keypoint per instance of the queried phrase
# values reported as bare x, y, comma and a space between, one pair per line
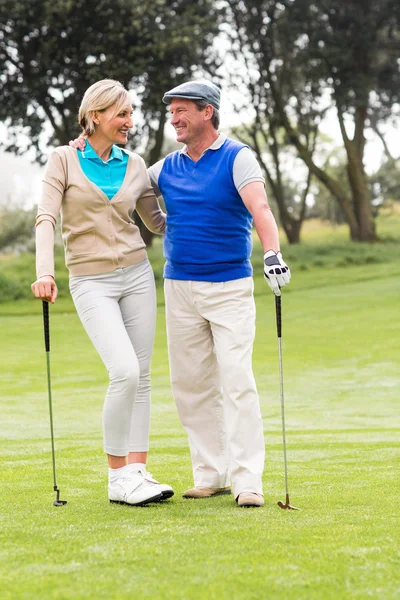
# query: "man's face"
189, 122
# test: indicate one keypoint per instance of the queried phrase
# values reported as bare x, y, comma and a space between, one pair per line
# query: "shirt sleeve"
44, 249
53, 186
154, 173
246, 169
148, 207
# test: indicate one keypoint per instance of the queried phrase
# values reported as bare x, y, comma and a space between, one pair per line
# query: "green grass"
341, 356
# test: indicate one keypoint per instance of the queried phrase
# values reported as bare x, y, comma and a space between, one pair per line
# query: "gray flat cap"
195, 90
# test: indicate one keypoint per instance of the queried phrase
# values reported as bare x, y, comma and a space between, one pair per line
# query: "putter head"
59, 502
287, 505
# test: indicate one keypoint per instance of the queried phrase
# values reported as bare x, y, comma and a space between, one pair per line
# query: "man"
213, 189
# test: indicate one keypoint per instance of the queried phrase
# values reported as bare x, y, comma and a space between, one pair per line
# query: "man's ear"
208, 112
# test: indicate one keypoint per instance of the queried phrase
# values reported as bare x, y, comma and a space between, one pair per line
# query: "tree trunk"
294, 225
359, 230
155, 151
362, 203
334, 187
290, 225
292, 228
356, 175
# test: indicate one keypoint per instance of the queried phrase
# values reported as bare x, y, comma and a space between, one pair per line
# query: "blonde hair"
100, 96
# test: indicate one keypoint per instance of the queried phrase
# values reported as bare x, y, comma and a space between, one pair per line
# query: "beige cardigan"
99, 234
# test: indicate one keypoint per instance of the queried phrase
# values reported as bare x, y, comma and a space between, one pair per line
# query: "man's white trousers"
211, 328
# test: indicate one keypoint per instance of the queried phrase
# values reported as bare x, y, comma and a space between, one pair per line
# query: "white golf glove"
276, 271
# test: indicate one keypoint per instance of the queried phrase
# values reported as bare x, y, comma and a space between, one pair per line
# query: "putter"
57, 501
278, 308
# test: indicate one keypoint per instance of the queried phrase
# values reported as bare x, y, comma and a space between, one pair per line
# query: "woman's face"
114, 127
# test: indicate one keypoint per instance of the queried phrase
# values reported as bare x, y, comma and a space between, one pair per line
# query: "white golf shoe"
135, 488
167, 490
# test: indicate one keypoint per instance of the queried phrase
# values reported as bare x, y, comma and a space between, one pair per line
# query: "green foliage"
330, 256
10, 289
304, 52
386, 182
17, 273
352, 48
16, 228
52, 50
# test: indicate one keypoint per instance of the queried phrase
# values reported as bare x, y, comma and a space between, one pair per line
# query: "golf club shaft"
278, 306
47, 346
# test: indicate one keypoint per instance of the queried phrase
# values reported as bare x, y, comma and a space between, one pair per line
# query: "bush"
17, 228
10, 290
18, 273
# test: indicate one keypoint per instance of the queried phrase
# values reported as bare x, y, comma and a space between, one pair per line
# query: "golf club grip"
278, 315
46, 325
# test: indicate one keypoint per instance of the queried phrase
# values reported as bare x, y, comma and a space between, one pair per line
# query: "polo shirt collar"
116, 152
88, 152
214, 146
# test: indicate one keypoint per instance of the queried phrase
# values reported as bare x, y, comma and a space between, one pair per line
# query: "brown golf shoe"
205, 492
250, 499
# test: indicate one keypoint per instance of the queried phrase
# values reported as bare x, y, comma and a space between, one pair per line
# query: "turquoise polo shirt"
107, 175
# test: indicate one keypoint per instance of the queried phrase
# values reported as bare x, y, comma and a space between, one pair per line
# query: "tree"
276, 158
265, 134
324, 205
310, 55
52, 50
386, 182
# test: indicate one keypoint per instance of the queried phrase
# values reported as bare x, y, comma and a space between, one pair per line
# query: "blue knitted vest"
208, 235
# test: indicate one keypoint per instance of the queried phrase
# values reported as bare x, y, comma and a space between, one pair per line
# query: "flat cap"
195, 90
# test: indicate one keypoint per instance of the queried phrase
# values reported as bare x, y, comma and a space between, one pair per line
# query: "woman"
111, 280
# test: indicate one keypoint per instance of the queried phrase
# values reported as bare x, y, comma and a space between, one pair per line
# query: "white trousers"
118, 312
211, 328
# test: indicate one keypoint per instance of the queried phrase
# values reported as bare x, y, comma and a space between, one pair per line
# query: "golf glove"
276, 271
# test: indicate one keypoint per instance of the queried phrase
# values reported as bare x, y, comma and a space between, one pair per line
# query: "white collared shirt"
246, 168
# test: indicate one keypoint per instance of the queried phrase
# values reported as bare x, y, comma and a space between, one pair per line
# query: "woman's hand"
78, 143
45, 288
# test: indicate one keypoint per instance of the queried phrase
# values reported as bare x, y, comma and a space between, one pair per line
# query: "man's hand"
78, 143
276, 271
45, 288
